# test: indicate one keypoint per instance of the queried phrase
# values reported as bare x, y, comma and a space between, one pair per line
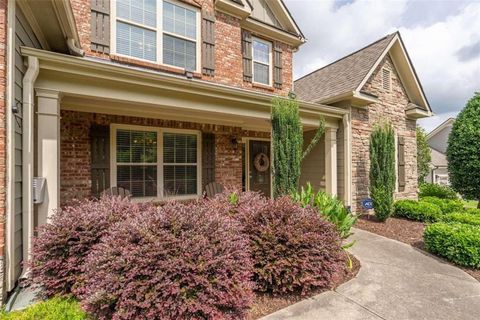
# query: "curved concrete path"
395, 282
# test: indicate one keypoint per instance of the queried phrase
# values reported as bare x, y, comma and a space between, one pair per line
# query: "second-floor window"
159, 31
262, 61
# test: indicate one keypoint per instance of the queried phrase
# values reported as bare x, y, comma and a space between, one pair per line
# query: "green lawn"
470, 203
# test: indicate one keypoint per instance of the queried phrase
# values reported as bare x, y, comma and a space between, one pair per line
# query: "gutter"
28, 156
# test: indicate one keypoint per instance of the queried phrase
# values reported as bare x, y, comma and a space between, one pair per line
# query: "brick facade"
228, 49
3, 133
391, 106
75, 154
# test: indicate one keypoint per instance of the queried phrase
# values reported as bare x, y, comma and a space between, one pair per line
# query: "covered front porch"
96, 125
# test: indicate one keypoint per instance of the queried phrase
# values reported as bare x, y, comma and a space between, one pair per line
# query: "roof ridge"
348, 55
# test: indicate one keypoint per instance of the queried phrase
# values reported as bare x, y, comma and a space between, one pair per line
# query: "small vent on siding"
386, 79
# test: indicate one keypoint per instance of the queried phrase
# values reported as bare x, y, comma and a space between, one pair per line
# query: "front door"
260, 166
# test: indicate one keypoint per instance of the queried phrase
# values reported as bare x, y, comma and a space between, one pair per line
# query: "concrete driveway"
395, 282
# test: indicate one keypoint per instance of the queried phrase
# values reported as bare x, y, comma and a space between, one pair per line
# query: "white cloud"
435, 43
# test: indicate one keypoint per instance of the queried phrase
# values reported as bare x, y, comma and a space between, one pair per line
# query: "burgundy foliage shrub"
293, 248
60, 247
187, 261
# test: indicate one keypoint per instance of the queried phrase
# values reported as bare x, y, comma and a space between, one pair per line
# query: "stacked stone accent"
228, 49
391, 107
3, 143
75, 152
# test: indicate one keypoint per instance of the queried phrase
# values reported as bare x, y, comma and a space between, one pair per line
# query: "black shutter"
277, 66
100, 26
208, 158
401, 163
247, 55
100, 156
208, 43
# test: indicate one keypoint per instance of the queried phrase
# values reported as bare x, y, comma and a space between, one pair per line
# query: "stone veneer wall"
391, 107
228, 49
3, 143
75, 158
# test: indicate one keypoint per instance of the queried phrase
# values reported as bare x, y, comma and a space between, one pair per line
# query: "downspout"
28, 156
76, 51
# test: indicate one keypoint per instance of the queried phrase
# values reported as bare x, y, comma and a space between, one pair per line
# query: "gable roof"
445, 124
347, 76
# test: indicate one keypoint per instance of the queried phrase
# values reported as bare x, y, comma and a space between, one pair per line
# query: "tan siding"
313, 166
24, 36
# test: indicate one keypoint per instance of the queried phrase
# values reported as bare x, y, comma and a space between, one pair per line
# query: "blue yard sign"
367, 203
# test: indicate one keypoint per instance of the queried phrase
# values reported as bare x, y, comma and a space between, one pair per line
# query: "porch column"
347, 165
331, 160
48, 150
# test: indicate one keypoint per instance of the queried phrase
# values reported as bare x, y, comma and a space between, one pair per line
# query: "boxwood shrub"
436, 190
462, 217
446, 205
55, 308
457, 242
184, 261
417, 210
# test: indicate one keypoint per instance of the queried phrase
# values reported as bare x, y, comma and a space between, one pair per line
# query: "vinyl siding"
24, 36
313, 166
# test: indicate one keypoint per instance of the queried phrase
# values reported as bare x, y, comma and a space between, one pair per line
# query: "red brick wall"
3, 132
228, 54
75, 152
391, 107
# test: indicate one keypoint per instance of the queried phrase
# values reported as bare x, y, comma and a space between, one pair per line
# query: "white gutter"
28, 155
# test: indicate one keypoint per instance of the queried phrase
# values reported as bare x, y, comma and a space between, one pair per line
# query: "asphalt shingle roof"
341, 76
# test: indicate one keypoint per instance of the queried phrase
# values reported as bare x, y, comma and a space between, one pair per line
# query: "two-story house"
162, 97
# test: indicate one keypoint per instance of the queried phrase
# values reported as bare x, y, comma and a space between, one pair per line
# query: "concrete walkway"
395, 282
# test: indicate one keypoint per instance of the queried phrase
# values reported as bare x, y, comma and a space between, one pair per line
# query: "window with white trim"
160, 31
156, 162
262, 61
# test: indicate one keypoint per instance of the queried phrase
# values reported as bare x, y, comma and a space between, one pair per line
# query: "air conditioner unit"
39, 189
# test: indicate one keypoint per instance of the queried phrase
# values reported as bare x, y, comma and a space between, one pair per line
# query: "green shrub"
446, 205
331, 208
437, 190
457, 242
472, 211
382, 169
51, 309
417, 210
462, 217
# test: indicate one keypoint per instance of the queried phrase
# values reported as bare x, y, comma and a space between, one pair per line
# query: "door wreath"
261, 162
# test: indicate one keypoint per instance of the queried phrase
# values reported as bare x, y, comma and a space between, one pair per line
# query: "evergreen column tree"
382, 169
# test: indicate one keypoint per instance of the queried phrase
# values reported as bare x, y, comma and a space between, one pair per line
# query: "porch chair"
213, 188
117, 192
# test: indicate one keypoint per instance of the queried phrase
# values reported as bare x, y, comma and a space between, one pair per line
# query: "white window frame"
160, 186
159, 33
270, 62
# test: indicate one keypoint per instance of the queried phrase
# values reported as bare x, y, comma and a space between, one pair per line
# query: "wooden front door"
260, 166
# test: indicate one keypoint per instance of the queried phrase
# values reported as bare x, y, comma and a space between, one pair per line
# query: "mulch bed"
265, 304
406, 231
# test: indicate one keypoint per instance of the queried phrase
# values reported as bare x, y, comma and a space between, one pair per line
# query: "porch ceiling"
103, 87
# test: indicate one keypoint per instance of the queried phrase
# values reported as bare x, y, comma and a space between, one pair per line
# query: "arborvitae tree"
382, 169
463, 151
287, 143
424, 155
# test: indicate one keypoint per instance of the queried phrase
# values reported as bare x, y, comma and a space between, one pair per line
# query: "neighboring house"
438, 142
375, 83
162, 97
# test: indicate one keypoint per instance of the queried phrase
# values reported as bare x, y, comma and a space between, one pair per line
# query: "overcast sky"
442, 39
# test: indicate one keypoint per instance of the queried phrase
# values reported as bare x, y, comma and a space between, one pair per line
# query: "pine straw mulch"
265, 304
406, 231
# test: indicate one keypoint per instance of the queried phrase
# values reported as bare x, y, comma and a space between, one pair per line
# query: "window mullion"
159, 31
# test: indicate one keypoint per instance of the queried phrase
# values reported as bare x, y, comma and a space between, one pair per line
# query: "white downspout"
28, 155
76, 51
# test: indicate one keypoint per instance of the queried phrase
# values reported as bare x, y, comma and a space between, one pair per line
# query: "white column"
347, 165
331, 160
48, 154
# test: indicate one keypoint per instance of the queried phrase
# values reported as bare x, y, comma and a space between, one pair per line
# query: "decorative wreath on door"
261, 162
